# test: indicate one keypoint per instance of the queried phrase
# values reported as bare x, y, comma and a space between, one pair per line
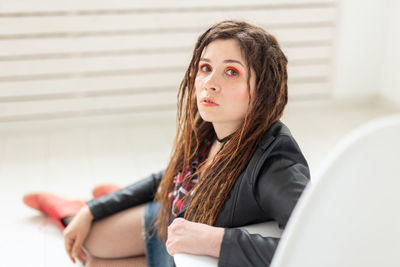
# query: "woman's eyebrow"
225, 61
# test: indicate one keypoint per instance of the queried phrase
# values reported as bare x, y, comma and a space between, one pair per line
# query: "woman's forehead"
223, 50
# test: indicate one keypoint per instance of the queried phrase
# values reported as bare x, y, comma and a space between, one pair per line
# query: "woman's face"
222, 79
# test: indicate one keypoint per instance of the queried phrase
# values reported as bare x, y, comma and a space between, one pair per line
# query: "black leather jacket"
268, 189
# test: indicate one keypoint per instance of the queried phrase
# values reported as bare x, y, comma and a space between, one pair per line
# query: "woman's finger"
83, 253
68, 243
81, 256
80, 259
76, 248
170, 251
168, 245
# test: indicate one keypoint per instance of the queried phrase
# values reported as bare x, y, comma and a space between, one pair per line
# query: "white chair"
349, 214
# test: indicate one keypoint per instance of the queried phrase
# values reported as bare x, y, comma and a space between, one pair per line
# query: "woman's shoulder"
276, 131
279, 142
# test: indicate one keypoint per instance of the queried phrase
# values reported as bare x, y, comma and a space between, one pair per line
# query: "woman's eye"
232, 72
205, 68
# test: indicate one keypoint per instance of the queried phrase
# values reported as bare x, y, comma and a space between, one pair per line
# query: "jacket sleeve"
130, 196
277, 188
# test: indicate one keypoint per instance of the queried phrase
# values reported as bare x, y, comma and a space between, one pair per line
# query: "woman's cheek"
239, 102
239, 97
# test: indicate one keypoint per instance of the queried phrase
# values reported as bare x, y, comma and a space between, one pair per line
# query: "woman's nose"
211, 82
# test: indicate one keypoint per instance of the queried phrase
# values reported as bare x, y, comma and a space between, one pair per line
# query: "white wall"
367, 53
390, 78
62, 59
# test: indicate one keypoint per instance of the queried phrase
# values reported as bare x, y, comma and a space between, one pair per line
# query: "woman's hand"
75, 234
194, 238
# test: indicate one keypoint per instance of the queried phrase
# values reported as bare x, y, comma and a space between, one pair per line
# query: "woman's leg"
117, 236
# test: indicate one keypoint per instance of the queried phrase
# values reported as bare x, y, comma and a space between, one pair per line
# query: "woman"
233, 163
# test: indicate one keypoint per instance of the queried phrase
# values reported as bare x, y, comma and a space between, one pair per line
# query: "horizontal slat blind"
68, 58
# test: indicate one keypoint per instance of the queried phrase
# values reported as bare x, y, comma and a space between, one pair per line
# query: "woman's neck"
223, 130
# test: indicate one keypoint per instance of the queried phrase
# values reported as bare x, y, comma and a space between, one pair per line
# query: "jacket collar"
276, 129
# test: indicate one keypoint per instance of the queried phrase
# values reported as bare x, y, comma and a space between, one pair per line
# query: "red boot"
104, 189
53, 206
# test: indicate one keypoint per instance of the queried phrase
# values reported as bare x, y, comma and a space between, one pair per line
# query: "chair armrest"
265, 229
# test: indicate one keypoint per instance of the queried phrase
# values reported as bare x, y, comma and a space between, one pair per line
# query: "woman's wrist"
85, 211
215, 236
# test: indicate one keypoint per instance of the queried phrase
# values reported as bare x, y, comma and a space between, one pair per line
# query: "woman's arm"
278, 186
130, 196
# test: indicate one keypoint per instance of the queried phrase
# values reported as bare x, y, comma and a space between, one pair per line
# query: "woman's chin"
207, 118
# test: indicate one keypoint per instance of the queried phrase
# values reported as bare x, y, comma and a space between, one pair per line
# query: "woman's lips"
208, 102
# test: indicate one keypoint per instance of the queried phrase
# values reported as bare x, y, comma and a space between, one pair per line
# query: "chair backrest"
350, 214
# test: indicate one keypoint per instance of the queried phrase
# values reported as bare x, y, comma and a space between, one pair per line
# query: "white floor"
70, 156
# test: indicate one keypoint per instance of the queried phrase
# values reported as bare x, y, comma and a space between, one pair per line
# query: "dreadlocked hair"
263, 54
